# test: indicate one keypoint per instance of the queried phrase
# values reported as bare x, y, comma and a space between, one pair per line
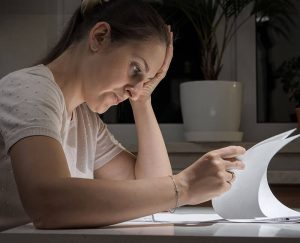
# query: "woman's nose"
134, 91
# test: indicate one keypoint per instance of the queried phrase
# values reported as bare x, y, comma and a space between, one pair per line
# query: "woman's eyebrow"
144, 62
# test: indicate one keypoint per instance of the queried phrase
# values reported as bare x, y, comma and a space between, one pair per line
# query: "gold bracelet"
176, 195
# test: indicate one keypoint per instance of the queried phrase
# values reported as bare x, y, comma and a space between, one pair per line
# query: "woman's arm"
152, 159
53, 199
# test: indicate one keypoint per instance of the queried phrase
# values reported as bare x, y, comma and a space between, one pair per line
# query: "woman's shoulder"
30, 73
35, 85
36, 78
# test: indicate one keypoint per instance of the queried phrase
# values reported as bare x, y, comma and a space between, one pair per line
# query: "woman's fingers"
229, 176
169, 53
168, 58
229, 152
233, 164
211, 175
226, 158
149, 86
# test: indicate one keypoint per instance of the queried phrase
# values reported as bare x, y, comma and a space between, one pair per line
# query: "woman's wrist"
142, 102
182, 187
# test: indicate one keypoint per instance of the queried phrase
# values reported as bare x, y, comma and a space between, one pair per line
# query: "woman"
60, 164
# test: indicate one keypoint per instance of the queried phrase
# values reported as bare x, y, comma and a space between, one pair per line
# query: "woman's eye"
136, 70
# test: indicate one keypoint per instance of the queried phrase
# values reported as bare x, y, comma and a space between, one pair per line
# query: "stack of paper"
250, 196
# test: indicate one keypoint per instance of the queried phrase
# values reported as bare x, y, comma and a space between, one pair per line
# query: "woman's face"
118, 73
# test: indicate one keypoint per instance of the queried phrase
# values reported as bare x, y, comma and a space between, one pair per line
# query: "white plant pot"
211, 110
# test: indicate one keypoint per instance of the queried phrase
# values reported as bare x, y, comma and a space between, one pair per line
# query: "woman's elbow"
46, 213
46, 218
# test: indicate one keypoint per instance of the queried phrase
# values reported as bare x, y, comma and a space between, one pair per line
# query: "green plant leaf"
208, 16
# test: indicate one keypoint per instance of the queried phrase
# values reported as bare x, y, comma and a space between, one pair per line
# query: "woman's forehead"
153, 52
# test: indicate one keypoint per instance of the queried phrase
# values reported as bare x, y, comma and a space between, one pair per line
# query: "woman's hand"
209, 176
149, 86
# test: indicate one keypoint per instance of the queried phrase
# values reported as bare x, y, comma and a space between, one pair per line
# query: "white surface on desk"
185, 218
164, 229
202, 229
173, 218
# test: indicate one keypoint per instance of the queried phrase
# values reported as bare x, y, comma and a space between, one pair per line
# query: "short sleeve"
107, 146
30, 104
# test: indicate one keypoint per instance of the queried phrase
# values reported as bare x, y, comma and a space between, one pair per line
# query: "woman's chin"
101, 109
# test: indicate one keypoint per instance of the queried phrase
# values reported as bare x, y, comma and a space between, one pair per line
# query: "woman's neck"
66, 72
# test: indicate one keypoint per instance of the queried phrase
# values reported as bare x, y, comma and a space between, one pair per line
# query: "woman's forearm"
152, 159
74, 202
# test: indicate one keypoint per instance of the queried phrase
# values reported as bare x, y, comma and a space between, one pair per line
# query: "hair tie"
87, 5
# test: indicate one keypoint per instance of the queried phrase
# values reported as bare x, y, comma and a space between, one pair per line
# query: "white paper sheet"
179, 218
185, 218
250, 196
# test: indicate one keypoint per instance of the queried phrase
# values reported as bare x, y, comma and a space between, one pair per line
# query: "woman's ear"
99, 36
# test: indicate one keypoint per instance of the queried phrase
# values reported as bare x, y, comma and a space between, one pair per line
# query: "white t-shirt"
31, 103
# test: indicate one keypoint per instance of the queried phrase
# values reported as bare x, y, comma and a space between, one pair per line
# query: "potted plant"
289, 75
211, 108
